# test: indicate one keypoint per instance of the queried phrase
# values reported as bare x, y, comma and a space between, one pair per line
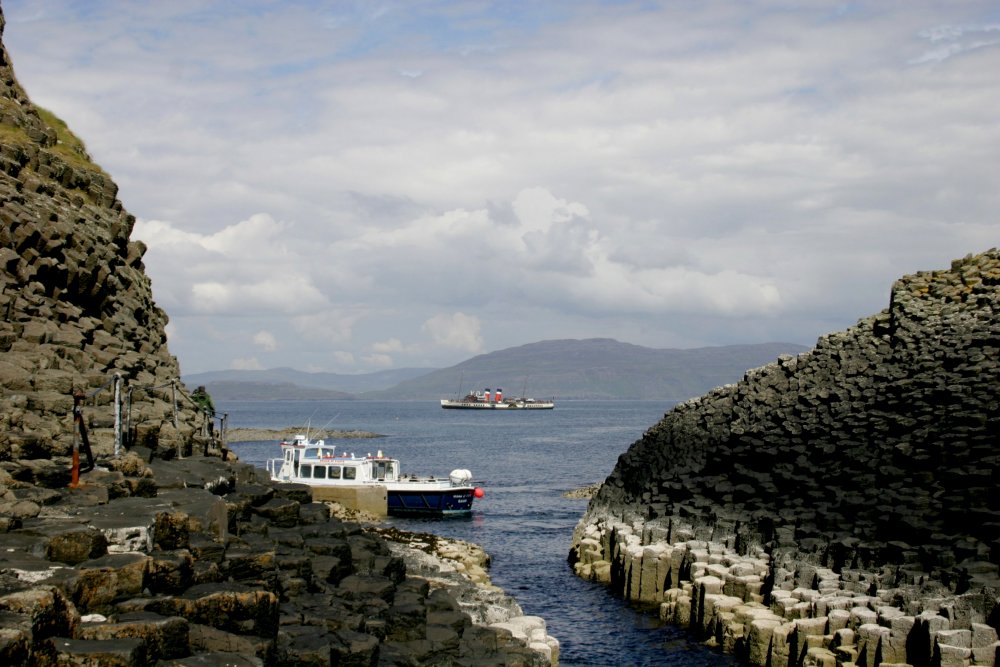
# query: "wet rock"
162, 637
101, 581
110, 652
67, 542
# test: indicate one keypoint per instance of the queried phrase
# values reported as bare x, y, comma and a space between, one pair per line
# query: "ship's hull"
478, 405
430, 502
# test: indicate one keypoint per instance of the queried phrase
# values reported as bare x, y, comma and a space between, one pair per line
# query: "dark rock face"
874, 457
186, 575
75, 304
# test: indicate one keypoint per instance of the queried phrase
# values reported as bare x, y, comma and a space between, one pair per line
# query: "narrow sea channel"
525, 461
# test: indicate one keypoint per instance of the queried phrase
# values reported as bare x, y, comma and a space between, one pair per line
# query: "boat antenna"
329, 422
461, 379
309, 422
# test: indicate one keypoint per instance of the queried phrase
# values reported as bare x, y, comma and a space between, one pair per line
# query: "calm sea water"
524, 461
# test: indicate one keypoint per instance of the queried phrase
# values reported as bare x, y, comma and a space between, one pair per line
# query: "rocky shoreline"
811, 616
199, 561
243, 434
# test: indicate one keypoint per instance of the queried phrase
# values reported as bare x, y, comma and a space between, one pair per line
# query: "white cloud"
667, 174
456, 330
378, 360
253, 236
266, 340
538, 209
958, 39
278, 295
342, 358
327, 326
388, 346
244, 267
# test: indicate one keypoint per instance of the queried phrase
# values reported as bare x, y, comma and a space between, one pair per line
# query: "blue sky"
353, 186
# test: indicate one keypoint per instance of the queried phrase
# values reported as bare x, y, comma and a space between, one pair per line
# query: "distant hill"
229, 390
281, 381
596, 368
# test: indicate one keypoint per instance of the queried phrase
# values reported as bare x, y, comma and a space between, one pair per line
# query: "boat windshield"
318, 453
383, 470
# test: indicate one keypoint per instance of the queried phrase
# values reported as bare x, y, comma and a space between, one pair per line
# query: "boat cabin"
317, 463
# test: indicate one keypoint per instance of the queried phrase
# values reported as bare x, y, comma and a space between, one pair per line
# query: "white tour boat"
318, 465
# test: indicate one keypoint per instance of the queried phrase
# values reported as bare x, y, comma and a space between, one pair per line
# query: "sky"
359, 186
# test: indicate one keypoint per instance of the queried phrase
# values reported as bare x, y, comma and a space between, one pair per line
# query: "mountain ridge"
592, 368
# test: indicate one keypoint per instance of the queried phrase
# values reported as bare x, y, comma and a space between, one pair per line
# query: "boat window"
334, 472
382, 470
350, 473
305, 470
319, 472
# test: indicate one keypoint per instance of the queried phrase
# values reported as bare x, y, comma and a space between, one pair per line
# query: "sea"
525, 461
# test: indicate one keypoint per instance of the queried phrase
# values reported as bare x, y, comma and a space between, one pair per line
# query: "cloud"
277, 295
537, 209
469, 177
957, 39
242, 268
378, 360
266, 340
388, 346
456, 330
329, 326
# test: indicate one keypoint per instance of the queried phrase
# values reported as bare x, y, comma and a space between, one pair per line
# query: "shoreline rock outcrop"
215, 563
838, 507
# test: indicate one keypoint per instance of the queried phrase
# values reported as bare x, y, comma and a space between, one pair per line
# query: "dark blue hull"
430, 502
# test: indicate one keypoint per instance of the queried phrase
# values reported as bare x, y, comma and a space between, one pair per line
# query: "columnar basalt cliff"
168, 552
76, 305
841, 506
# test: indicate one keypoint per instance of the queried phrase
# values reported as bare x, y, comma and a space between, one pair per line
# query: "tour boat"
488, 400
318, 465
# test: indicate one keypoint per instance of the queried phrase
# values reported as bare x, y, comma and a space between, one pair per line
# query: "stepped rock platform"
201, 561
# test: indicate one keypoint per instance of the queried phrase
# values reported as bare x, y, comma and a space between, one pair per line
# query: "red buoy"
478, 493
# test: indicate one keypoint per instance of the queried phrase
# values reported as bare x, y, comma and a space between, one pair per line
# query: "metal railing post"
118, 414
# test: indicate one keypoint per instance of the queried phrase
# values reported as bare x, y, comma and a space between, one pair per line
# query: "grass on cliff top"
68, 146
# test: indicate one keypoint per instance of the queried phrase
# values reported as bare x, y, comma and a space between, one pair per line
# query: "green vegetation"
68, 145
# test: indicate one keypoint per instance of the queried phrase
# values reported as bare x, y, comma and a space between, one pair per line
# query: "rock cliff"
76, 307
840, 506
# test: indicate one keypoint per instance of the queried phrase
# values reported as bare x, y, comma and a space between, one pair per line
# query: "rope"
102, 387
151, 388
